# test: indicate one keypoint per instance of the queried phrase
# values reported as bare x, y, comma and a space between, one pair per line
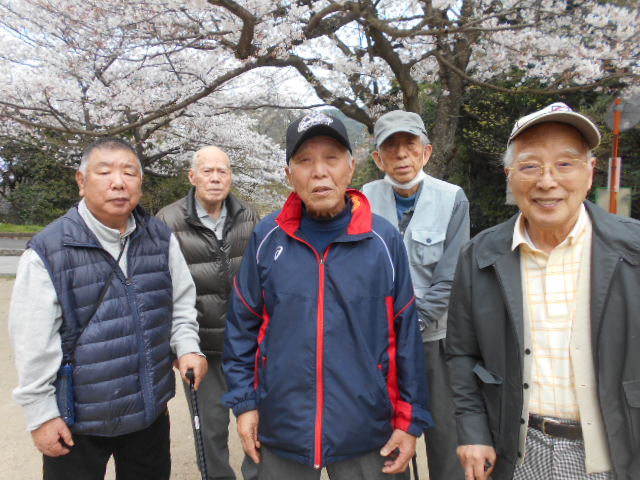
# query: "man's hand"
248, 431
406, 444
478, 461
53, 438
199, 365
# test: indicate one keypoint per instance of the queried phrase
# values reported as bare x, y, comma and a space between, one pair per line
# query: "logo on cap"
312, 120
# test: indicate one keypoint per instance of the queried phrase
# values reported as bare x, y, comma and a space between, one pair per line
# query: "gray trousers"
442, 440
214, 425
365, 467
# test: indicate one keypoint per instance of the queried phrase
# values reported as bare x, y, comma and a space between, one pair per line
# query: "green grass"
13, 228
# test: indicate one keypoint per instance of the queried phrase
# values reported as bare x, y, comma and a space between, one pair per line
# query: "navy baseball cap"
314, 125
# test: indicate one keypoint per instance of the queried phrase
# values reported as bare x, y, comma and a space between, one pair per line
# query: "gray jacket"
485, 340
438, 229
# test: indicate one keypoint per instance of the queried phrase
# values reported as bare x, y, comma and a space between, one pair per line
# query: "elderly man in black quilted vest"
213, 227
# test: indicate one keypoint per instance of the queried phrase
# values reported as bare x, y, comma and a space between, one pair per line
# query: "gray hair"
507, 157
194, 160
107, 143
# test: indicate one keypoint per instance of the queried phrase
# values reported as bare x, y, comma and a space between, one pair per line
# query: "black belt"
551, 426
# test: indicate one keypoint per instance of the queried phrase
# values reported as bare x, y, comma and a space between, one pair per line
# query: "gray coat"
212, 263
485, 340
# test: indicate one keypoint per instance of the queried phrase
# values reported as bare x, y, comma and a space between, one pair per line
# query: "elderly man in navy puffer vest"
102, 305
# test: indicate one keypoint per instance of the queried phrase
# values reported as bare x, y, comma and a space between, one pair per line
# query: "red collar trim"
290, 217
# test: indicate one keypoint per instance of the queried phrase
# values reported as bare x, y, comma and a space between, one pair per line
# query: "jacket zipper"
317, 463
320, 368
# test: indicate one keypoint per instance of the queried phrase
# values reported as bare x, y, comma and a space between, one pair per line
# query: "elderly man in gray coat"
543, 321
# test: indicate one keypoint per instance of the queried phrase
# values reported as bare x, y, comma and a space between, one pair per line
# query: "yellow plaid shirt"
551, 285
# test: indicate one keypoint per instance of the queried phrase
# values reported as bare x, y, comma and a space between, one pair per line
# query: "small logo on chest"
278, 252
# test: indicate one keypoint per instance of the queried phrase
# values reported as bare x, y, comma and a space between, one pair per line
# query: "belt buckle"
545, 422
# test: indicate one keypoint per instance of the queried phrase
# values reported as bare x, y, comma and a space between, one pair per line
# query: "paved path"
12, 245
8, 266
19, 459
17, 243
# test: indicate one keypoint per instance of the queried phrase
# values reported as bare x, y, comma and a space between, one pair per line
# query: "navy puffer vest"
122, 377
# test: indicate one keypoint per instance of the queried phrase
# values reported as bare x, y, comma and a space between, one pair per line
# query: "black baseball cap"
314, 125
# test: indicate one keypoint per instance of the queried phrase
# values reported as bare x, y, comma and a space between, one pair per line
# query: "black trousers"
142, 455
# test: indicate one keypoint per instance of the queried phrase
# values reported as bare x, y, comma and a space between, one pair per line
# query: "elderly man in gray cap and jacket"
433, 217
543, 325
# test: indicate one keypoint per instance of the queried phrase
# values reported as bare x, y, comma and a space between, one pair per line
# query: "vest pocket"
64, 394
426, 246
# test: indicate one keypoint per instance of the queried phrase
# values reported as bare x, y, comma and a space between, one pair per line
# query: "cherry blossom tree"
367, 56
173, 74
156, 72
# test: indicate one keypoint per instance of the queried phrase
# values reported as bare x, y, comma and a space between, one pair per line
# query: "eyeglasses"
532, 171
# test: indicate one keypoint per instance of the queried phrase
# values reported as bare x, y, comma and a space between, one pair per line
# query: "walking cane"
414, 464
202, 464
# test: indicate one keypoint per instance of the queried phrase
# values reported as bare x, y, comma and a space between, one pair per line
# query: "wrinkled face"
551, 202
112, 186
402, 156
211, 177
320, 172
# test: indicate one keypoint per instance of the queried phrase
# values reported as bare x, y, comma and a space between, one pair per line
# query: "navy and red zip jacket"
326, 347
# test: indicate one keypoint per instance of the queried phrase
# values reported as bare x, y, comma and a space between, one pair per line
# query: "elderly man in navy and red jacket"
322, 353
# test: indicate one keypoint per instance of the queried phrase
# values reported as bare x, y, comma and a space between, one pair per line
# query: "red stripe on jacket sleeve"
241, 297
402, 411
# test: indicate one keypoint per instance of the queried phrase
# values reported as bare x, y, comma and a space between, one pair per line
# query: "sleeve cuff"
245, 406
40, 412
412, 419
473, 430
188, 346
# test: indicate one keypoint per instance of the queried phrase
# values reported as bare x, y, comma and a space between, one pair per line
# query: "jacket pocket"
259, 382
383, 387
491, 388
426, 246
632, 393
